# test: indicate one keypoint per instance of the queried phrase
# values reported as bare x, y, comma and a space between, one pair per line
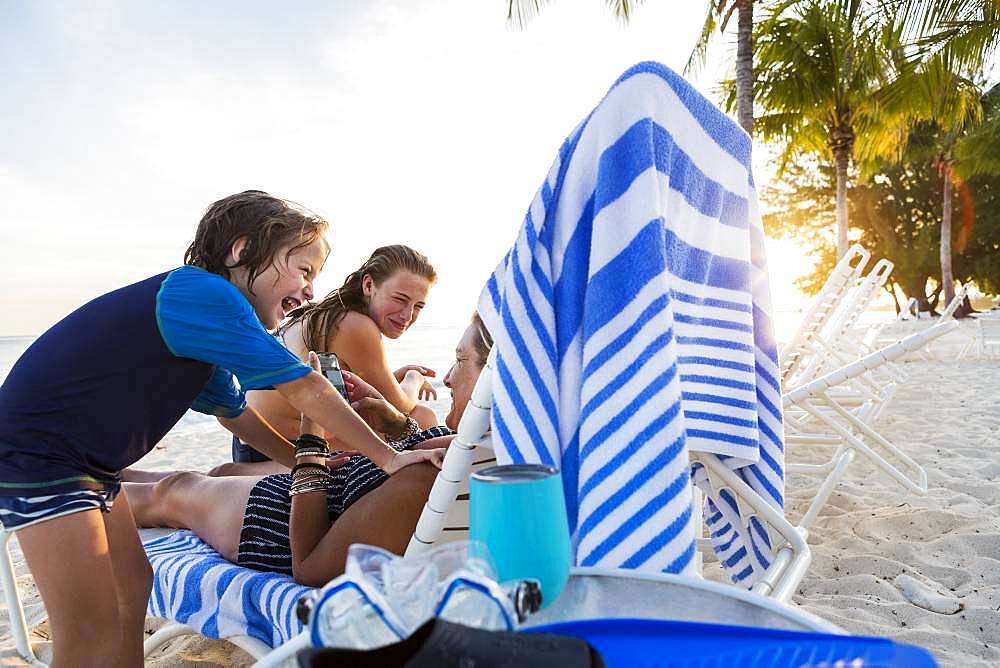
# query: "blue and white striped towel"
632, 323
194, 585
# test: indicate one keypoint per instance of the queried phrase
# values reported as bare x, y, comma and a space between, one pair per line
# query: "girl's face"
462, 376
395, 304
283, 286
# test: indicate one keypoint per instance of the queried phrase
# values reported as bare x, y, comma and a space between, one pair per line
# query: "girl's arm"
359, 344
252, 428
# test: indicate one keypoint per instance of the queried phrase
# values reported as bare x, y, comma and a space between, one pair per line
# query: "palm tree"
955, 38
818, 67
719, 13
520, 12
935, 93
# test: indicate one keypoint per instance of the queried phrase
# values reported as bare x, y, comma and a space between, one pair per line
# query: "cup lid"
515, 473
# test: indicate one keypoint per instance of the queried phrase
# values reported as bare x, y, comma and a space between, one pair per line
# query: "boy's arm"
254, 430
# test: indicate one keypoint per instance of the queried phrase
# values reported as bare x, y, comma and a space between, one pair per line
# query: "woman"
262, 523
383, 298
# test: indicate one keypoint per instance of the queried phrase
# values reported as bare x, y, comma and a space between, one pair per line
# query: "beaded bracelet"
307, 481
299, 454
322, 468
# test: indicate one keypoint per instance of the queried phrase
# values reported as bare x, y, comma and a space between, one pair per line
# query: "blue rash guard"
98, 390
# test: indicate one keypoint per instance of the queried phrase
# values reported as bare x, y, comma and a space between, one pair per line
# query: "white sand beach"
922, 570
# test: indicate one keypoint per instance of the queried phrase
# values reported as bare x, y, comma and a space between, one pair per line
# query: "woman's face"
395, 304
283, 286
462, 376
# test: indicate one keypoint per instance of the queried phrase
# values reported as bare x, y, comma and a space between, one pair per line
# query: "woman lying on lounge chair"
302, 523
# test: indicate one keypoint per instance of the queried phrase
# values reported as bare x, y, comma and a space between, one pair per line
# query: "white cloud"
422, 123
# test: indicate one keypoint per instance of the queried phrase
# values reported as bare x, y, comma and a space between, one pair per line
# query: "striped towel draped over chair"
632, 321
194, 585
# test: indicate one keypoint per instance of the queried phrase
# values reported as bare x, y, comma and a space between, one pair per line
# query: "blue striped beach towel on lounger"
632, 321
194, 585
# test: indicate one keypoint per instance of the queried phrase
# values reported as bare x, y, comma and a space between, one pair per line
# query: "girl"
97, 391
260, 522
383, 298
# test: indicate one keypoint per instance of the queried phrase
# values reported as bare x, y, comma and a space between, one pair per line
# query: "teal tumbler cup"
518, 511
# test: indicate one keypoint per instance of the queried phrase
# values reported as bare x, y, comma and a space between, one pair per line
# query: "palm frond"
700, 51
622, 9
521, 12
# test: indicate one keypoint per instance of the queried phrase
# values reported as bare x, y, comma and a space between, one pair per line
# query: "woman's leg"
424, 416
213, 508
227, 469
247, 469
71, 562
140, 475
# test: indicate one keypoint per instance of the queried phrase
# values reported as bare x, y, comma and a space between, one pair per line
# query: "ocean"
429, 344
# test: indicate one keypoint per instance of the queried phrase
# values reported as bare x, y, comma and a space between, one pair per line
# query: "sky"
426, 123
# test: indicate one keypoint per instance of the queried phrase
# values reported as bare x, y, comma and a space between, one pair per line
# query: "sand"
916, 569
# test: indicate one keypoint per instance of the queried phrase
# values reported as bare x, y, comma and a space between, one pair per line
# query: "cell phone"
329, 366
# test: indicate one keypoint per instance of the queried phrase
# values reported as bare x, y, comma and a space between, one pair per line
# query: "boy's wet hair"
267, 223
320, 320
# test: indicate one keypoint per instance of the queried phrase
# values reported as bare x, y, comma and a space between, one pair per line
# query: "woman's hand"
407, 457
380, 415
358, 389
401, 372
337, 459
427, 392
414, 383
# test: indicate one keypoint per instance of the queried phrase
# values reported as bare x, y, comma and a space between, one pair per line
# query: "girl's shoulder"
356, 324
292, 338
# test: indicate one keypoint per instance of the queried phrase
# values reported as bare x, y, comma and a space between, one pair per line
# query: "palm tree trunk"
947, 277
841, 157
744, 65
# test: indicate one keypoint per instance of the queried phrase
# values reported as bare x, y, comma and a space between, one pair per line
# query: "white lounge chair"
895, 330
12, 598
446, 514
849, 432
824, 305
989, 337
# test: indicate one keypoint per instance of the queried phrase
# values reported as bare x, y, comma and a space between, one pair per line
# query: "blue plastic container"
518, 511
655, 643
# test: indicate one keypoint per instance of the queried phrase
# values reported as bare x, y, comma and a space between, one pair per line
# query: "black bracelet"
311, 441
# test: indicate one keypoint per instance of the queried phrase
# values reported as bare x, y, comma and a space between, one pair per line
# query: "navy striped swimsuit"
264, 540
